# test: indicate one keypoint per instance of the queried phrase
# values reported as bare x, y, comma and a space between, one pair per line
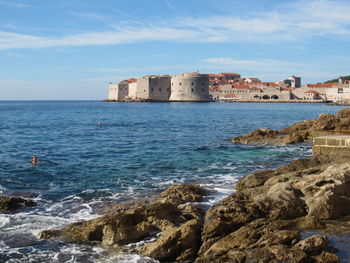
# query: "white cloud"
13, 4
294, 22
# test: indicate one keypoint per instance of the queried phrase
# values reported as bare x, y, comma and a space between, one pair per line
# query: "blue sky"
71, 49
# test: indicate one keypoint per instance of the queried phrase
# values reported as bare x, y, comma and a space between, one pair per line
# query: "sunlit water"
91, 153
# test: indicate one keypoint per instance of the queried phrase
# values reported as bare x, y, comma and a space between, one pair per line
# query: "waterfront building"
153, 88
118, 91
132, 89
190, 87
293, 82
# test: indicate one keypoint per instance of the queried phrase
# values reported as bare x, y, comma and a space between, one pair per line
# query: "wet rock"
175, 226
181, 194
121, 228
12, 203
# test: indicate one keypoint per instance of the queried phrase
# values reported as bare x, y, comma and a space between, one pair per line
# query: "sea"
93, 153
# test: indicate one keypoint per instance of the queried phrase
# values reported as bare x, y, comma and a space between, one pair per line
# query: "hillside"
336, 80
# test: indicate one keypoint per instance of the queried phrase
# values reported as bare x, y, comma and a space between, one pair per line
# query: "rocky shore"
326, 124
265, 220
281, 215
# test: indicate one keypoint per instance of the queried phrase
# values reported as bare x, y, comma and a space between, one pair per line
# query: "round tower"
190, 87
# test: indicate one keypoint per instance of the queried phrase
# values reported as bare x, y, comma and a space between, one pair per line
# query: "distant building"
132, 89
118, 91
190, 87
153, 88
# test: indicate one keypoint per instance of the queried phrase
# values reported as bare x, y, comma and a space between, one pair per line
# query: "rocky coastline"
305, 131
263, 221
281, 215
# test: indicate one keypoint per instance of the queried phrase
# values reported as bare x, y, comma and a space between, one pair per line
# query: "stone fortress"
190, 87
196, 87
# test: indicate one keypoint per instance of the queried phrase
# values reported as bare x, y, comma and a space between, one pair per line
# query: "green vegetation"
336, 80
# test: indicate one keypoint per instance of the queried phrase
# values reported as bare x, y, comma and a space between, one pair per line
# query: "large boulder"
174, 225
12, 203
265, 241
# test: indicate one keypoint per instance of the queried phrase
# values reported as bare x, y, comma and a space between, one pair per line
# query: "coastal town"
230, 87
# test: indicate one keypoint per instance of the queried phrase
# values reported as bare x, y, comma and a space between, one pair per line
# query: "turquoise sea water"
93, 152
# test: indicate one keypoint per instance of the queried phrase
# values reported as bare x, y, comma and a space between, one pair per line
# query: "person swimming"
34, 159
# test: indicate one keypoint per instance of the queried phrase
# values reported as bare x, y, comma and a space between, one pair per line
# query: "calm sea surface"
137, 150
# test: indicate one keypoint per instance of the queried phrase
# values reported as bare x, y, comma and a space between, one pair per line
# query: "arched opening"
256, 97
266, 97
274, 97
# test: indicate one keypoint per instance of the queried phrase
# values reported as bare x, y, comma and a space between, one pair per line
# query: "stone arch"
256, 97
266, 97
274, 97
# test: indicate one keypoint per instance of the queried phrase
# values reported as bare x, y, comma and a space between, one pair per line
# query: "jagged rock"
122, 228
12, 203
176, 227
181, 194
265, 241
176, 244
326, 124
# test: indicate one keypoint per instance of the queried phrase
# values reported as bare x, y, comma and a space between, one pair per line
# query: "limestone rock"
265, 241
176, 244
176, 227
181, 194
12, 203
326, 124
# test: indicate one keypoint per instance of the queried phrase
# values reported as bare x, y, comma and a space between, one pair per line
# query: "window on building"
167, 89
152, 89
192, 90
172, 83
180, 83
160, 89
192, 83
203, 90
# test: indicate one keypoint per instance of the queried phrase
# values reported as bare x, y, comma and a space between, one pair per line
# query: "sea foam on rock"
178, 223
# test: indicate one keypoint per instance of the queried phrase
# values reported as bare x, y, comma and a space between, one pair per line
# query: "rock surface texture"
175, 225
326, 124
263, 220
13, 203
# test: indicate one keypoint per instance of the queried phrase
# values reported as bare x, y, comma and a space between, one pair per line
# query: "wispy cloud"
256, 65
13, 4
88, 15
293, 22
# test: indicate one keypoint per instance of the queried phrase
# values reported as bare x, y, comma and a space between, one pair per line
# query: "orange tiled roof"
228, 95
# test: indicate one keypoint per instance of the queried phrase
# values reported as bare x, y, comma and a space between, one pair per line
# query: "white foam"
4, 221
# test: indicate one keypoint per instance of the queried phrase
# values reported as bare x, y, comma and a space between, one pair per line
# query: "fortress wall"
142, 88
112, 91
132, 90
190, 87
123, 90
159, 88
153, 88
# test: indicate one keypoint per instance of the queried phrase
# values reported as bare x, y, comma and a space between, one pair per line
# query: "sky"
72, 49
